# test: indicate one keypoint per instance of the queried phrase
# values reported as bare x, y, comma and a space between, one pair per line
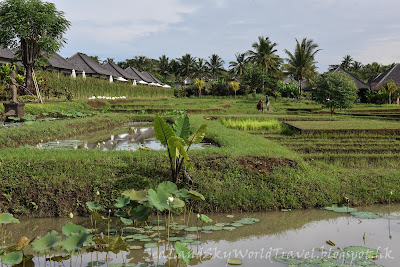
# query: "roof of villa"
359, 84
6, 53
58, 62
391, 75
87, 64
152, 77
137, 74
118, 71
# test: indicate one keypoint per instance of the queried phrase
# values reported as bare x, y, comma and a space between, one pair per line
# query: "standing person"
267, 102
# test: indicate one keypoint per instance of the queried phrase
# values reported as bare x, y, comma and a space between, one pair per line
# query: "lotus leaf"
70, 228
20, 245
60, 258
12, 258
99, 218
220, 224
96, 263
248, 221
122, 202
365, 215
6, 218
93, 206
196, 243
183, 252
182, 193
313, 260
287, 259
366, 252
132, 230
126, 221
229, 228
117, 245
150, 245
234, 261
342, 209
236, 224
122, 265
135, 247
47, 243
74, 242
145, 240
391, 217
192, 229
205, 218
141, 213
159, 228
136, 196
196, 195
175, 238
366, 263
157, 222
121, 214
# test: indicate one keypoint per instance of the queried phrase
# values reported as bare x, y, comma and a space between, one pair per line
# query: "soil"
226, 106
96, 104
203, 110
263, 164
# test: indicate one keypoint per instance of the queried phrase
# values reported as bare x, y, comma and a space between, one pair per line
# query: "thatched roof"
87, 64
137, 74
6, 54
151, 77
359, 84
117, 71
391, 75
58, 62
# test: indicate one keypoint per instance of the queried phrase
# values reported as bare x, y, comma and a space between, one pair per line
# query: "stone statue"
13, 86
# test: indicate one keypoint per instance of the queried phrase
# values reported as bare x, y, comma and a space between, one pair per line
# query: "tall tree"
215, 65
263, 53
200, 68
163, 66
187, 65
347, 62
390, 87
239, 65
301, 64
356, 66
33, 27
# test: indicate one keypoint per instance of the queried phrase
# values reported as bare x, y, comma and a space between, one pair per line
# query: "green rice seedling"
250, 124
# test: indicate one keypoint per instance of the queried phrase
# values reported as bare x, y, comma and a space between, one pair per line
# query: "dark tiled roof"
85, 63
151, 77
58, 62
391, 75
154, 78
359, 84
118, 71
137, 74
6, 53
289, 79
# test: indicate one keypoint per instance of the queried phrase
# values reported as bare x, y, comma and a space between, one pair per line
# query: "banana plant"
177, 140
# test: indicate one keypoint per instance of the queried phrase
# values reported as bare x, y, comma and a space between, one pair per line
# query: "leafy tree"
288, 89
235, 86
390, 88
335, 90
215, 65
356, 66
255, 77
174, 67
239, 65
263, 54
187, 63
301, 64
200, 68
347, 62
200, 84
163, 66
33, 27
95, 58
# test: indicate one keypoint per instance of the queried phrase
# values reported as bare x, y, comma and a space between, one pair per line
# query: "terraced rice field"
345, 150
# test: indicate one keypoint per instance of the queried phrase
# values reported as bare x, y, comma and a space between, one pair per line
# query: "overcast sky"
368, 30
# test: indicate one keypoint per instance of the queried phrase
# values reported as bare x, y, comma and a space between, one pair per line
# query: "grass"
359, 124
251, 124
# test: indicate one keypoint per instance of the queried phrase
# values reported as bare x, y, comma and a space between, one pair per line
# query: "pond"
131, 137
310, 234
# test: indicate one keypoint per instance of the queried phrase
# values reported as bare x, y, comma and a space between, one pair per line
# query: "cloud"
383, 50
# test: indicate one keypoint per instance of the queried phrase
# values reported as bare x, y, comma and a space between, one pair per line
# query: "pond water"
299, 232
131, 136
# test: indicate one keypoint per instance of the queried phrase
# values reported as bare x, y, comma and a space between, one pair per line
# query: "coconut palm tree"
187, 65
200, 68
239, 65
215, 65
301, 64
163, 66
263, 53
347, 62
357, 66
390, 87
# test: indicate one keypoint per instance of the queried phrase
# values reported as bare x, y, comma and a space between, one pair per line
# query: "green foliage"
200, 84
12, 258
255, 77
234, 85
335, 90
183, 252
71, 228
7, 218
47, 243
288, 89
249, 124
75, 241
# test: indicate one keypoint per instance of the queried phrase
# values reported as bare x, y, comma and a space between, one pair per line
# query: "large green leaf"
6, 218
74, 242
183, 252
70, 228
126, 221
157, 201
162, 130
122, 202
196, 195
205, 218
93, 206
177, 203
47, 243
117, 245
365, 215
141, 213
168, 188
182, 127
181, 150
100, 218
12, 258
173, 143
198, 136
20, 245
340, 209
136, 196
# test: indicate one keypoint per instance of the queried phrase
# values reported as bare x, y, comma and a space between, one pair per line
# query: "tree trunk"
301, 91
28, 78
390, 99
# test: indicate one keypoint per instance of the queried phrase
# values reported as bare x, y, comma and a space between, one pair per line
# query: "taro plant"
178, 140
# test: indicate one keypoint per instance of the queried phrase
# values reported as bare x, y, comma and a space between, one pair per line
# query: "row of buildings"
82, 64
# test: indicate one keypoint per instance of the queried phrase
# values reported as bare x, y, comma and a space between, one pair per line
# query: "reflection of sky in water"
136, 136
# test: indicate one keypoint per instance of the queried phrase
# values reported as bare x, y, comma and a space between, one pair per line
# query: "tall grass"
84, 88
251, 124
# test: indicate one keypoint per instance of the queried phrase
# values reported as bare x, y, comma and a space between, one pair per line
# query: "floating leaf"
96, 263
12, 258
93, 206
248, 221
342, 209
126, 221
99, 218
159, 228
157, 222
365, 215
205, 218
236, 224
20, 245
287, 259
74, 242
362, 250
136, 196
192, 229
234, 261
230, 216
6, 218
135, 247
47, 243
70, 228
183, 252
122, 202
150, 245
228, 228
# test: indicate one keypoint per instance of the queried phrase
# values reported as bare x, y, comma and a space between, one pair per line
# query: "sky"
368, 30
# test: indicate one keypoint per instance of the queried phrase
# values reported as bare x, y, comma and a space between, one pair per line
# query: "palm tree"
187, 65
389, 87
264, 54
357, 66
215, 65
200, 67
347, 62
238, 66
301, 64
163, 66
